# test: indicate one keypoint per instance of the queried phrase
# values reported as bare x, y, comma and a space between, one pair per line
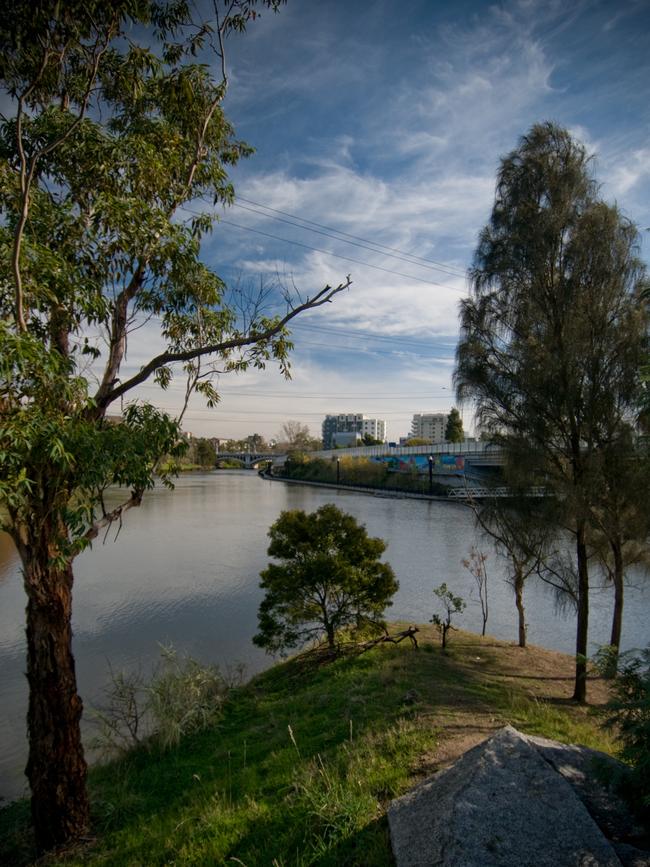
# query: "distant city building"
429, 426
351, 423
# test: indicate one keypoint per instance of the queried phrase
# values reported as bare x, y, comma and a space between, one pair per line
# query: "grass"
302, 765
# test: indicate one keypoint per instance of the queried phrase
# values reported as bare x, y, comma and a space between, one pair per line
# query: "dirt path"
464, 719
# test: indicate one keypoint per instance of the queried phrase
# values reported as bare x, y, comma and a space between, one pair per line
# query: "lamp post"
338, 470
430, 475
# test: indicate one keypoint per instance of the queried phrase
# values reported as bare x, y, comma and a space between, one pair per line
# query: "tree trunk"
617, 618
521, 612
56, 767
580, 690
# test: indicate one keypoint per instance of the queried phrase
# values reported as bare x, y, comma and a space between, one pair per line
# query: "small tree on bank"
328, 578
475, 565
451, 605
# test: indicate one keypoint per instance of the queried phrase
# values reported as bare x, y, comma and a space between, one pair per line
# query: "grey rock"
500, 805
630, 856
587, 771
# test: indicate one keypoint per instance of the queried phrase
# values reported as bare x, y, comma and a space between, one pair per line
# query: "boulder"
502, 804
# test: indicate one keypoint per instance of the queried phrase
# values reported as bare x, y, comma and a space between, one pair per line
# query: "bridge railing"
486, 452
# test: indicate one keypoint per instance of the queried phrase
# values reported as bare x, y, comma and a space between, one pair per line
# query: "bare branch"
102, 400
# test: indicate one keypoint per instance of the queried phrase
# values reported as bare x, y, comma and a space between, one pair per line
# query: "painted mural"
420, 463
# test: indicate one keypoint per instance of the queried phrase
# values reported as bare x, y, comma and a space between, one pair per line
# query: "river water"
185, 571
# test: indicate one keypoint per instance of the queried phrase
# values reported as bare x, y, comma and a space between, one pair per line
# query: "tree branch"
115, 514
102, 400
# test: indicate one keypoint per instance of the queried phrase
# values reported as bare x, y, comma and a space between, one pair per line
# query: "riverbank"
395, 493
305, 759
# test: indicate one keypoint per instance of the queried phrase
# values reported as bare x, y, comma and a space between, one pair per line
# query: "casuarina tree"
328, 577
553, 334
113, 123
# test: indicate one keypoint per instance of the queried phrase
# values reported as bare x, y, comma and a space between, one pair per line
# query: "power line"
351, 332
338, 256
302, 395
363, 335
366, 245
327, 252
443, 266
282, 413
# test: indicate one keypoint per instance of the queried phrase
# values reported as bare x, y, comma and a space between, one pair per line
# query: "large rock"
500, 805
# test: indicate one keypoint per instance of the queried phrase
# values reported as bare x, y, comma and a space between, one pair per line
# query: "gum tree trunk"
521, 611
56, 767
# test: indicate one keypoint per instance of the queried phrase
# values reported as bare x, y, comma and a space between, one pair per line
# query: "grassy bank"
304, 761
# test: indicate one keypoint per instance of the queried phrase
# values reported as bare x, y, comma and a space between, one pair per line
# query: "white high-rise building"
429, 426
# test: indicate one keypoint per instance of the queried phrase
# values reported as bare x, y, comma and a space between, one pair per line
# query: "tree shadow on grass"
368, 847
289, 715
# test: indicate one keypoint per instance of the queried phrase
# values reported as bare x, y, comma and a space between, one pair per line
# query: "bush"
182, 696
629, 712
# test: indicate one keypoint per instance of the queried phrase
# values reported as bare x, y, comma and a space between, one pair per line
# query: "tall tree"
454, 431
115, 127
553, 333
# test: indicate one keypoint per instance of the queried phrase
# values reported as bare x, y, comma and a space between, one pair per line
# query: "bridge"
467, 459
249, 459
470, 469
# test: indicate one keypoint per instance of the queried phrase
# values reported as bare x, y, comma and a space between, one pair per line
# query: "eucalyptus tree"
116, 123
553, 333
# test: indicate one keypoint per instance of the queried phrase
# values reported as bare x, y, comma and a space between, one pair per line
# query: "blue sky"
386, 121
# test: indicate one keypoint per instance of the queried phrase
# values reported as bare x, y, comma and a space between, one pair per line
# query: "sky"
378, 128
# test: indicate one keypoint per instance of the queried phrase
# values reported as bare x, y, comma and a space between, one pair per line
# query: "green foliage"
451, 605
328, 578
183, 697
115, 124
554, 332
454, 430
629, 713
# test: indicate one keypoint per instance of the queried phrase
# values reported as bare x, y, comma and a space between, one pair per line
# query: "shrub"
629, 712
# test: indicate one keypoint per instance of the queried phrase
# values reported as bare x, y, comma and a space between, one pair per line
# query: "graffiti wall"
443, 464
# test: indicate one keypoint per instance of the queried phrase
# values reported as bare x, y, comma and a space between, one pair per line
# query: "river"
185, 571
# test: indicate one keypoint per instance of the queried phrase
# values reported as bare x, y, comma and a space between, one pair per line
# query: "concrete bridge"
467, 465
249, 459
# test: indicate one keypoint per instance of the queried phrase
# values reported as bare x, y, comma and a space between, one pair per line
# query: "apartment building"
429, 426
351, 423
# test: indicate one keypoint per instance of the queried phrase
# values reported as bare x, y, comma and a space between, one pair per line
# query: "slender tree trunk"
56, 767
580, 690
521, 611
617, 618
